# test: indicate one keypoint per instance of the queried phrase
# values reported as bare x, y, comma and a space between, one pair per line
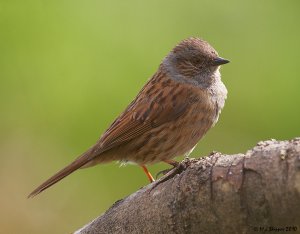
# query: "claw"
172, 162
166, 171
163, 172
172, 172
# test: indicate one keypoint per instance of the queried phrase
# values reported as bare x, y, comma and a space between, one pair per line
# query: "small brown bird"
171, 113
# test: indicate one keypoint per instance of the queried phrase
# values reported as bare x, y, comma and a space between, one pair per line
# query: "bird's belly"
172, 139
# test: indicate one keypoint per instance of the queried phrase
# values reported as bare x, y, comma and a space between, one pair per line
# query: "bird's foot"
170, 173
166, 171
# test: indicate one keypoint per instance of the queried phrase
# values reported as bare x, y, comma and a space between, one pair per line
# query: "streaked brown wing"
143, 114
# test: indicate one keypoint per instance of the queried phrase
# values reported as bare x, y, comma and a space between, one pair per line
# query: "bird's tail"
79, 162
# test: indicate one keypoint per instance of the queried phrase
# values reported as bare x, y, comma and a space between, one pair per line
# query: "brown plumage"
171, 113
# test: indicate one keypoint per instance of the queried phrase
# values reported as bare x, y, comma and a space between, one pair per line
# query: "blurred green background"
68, 68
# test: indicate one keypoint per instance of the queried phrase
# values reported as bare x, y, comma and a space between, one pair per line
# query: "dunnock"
171, 113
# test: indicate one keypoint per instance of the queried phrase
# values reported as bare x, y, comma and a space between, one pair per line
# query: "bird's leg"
149, 176
177, 169
172, 163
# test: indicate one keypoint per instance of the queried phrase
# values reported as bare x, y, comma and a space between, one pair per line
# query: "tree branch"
241, 193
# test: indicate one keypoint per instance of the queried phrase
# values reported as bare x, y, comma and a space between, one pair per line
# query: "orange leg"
150, 177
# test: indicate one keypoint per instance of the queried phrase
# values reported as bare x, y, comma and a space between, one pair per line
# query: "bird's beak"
220, 61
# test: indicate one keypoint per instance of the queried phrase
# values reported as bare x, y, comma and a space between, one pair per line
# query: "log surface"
242, 193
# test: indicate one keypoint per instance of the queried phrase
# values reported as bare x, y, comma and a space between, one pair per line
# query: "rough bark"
242, 193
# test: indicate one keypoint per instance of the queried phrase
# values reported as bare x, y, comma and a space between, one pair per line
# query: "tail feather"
79, 162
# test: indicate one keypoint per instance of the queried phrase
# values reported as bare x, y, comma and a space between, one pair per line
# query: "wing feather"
145, 113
